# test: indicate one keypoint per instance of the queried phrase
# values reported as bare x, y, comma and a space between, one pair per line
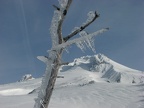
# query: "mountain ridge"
107, 69
88, 82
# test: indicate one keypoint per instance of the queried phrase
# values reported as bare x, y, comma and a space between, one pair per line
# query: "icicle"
79, 41
66, 49
83, 33
80, 45
88, 42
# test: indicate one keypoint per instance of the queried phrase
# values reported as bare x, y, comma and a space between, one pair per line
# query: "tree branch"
64, 12
83, 38
81, 28
57, 8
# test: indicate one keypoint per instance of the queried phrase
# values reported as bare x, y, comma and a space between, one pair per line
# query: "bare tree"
59, 43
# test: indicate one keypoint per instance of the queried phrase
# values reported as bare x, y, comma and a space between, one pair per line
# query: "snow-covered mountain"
104, 68
88, 82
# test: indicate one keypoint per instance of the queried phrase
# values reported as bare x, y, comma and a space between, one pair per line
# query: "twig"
57, 8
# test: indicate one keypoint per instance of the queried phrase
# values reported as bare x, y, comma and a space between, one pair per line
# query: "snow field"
89, 82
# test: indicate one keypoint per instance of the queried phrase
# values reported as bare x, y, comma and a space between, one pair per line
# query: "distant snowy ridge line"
91, 69
89, 82
106, 69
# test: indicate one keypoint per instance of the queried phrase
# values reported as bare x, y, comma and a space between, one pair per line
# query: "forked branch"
74, 41
63, 14
81, 28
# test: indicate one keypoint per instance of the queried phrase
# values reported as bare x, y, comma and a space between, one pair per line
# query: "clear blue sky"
24, 33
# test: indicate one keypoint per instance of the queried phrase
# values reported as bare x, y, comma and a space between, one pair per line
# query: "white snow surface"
89, 82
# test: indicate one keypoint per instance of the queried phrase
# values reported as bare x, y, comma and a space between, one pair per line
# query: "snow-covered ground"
89, 82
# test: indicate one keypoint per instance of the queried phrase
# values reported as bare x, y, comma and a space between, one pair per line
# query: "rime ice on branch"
54, 27
59, 44
81, 39
63, 3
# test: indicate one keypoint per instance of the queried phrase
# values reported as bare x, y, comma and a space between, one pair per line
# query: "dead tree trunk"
59, 43
51, 83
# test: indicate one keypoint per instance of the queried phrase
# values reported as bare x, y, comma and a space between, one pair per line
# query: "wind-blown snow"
89, 82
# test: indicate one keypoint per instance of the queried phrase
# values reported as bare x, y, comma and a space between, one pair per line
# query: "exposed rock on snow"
26, 77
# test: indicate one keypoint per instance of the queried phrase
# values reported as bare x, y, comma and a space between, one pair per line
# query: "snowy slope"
99, 66
89, 82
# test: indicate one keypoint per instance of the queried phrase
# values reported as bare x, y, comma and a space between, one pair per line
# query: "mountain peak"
106, 69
